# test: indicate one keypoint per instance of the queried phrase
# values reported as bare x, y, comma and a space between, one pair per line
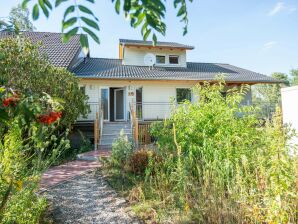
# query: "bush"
27, 147
220, 166
139, 160
22, 67
122, 148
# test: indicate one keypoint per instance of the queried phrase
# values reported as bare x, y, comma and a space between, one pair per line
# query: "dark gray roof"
59, 54
158, 44
103, 68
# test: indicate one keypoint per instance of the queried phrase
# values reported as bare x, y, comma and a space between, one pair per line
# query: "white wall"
135, 55
290, 107
157, 95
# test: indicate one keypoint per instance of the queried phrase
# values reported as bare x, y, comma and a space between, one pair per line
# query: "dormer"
167, 54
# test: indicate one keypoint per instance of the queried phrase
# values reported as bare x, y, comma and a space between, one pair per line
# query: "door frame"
107, 88
115, 104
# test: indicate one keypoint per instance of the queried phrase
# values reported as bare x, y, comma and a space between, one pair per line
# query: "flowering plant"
45, 110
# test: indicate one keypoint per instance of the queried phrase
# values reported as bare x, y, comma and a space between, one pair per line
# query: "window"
183, 94
160, 59
174, 59
83, 89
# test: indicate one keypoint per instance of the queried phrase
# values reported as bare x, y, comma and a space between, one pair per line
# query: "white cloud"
281, 6
269, 45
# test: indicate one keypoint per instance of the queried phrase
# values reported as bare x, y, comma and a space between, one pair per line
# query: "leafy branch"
79, 19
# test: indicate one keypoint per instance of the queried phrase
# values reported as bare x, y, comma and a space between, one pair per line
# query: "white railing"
153, 110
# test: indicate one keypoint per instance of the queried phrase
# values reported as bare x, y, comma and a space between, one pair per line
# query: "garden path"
78, 193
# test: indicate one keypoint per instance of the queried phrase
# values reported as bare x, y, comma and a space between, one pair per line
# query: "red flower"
10, 101
49, 118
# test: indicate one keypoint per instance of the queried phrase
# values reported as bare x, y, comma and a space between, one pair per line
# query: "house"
144, 78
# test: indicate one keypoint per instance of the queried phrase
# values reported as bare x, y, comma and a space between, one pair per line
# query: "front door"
119, 104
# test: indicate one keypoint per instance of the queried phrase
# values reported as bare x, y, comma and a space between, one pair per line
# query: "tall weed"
220, 165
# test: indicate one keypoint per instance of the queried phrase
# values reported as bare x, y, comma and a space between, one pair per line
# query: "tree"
19, 17
23, 68
78, 18
294, 74
18, 20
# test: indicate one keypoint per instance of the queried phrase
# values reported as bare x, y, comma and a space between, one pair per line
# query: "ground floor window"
183, 94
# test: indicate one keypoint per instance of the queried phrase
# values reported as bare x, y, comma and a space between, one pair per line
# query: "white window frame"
162, 55
174, 56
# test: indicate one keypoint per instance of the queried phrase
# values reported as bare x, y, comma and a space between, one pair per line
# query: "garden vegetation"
217, 163
38, 104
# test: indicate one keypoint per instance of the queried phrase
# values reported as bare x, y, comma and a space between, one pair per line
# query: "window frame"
191, 95
161, 55
178, 59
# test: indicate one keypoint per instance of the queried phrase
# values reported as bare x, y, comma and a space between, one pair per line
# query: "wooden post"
96, 132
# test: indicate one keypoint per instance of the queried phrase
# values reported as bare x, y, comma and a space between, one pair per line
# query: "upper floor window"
160, 59
174, 59
183, 94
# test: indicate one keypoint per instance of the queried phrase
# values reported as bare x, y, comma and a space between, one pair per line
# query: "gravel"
87, 199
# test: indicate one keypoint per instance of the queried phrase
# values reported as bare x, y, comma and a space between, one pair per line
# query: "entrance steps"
111, 131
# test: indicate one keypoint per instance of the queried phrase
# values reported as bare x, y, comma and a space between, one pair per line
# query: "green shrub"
122, 148
220, 166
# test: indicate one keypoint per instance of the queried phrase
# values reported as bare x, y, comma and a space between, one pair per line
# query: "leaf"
86, 10
90, 22
154, 38
69, 23
48, 4
181, 11
117, 6
35, 13
58, 2
93, 35
127, 5
92, 1
25, 3
43, 7
84, 43
146, 34
67, 36
140, 20
69, 10
176, 2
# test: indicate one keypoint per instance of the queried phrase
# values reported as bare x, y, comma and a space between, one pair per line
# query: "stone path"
78, 193
87, 199
59, 174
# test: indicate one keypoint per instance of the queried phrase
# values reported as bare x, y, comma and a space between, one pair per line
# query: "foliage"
79, 18
219, 165
222, 168
22, 67
27, 147
18, 20
294, 74
267, 96
139, 160
85, 143
122, 148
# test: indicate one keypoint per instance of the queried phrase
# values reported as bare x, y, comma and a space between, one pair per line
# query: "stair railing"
134, 125
101, 122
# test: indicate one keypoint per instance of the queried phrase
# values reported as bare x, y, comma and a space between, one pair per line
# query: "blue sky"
260, 35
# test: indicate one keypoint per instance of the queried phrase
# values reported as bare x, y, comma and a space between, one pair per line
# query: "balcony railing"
153, 110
